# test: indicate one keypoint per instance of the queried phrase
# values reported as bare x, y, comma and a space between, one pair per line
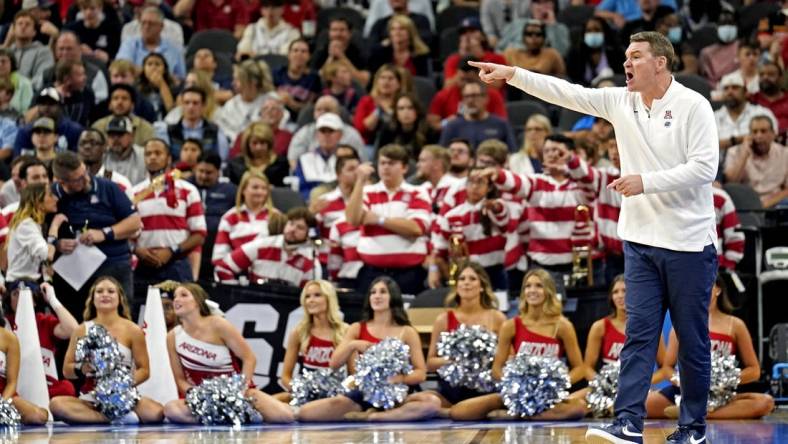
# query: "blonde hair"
30, 206
552, 306
262, 131
487, 297
245, 179
123, 67
330, 69
123, 304
255, 72
542, 121
205, 83
416, 43
338, 328
439, 153
403, 77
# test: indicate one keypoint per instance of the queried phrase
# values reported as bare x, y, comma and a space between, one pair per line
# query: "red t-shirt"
779, 107
447, 101
225, 15
450, 65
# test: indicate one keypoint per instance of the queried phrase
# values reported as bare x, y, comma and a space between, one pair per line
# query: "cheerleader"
312, 342
726, 333
106, 306
384, 317
9, 377
203, 346
542, 331
51, 329
474, 304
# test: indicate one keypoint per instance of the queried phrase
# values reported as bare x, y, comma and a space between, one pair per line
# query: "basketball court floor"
773, 429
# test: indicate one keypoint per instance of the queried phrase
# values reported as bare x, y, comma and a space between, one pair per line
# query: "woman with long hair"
157, 84
403, 48
727, 333
199, 335
249, 219
376, 110
539, 330
251, 81
257, 154
471, 303
383, 317
529, 159
106, 306
408, 126
312, 342
596, 54
52, 328
26, 246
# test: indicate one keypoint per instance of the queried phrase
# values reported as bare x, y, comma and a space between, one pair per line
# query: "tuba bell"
458, 253
582, 251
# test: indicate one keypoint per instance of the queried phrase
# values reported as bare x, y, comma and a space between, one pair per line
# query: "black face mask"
769, 88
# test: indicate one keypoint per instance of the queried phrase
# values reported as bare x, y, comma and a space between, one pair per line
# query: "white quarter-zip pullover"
674, 147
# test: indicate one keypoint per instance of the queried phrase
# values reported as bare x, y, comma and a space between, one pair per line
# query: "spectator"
556, 33
337, 79
8, 130
379, 9
496, 14
22, 94
270, 34
761, 163
535, 56
686, 57
403, 48
157, 84
621, 11
92, 146
124, 72
341, 47
446, 102
254, 83
163, 252
230, 15
44, 139
151, 41
597, 55
433, 171
461, 157
771, 93
529, 159
201, 81
650, 13
697, 14
719, 59
733, 119
108, 218
408, 127
205, 61
257, 155
124, 156
380, 30
191, 150
295, 83
248, 220
171, 30
67, 48
302, 15
377, 109
476, 123
48, 104
32, 57
29, 170
97, 31
77, 100
122, 99
305, 139
747, 56
472, 43
393, 228
193, 126
273, 114
317, 166
284, 257
730, 241
48, 22
342, 261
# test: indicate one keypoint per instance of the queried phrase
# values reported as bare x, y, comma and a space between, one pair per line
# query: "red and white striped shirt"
267, 258
455, 195
383, 248
438, 192
164, 225
730, 243
327, 217
3, 229
550, 210
119, 179
237, 227
343, 259
607, 209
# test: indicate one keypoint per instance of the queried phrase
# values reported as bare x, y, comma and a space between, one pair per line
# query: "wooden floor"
773, 429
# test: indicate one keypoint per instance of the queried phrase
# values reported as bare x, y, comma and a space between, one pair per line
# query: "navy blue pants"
657, 280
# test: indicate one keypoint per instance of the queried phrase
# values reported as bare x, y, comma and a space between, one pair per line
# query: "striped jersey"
730, 243
237, 227
268, 258
169, 216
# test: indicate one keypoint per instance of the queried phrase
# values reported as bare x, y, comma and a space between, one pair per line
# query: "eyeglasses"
533, 34
80, 179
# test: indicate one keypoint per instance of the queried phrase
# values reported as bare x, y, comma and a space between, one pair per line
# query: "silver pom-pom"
116, 394
99, 349
604, 387
381, 361
9, 415
471, 351
314, 384
725, 377
222, 400
533, 384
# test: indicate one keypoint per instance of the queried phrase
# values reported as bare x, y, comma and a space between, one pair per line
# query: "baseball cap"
48, 94
120, 125
732, 79
44, 123
470, 23
329, 120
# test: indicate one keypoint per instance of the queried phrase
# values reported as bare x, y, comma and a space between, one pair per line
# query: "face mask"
594, 39
727, 33
674, 34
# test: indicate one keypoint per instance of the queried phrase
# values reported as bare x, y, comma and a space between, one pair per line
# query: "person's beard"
769, 88
458, 169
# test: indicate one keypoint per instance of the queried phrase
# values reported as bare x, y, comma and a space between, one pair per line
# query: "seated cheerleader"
726, 333
106, 306
313, 340
384, 317
204, 346
9, 376
52, 328
474, 304
607, 337
542, 331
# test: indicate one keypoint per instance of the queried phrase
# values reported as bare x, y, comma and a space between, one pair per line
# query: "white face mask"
727, 33
594, 39
674, 34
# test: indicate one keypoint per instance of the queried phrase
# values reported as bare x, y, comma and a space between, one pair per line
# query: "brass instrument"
458, 252
157, 185
582, 251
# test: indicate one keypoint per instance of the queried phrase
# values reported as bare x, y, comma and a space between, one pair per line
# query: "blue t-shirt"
304, 89
103, 206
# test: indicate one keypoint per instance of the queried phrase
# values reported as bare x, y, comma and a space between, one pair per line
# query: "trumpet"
458, 253
582, 253
157, 185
